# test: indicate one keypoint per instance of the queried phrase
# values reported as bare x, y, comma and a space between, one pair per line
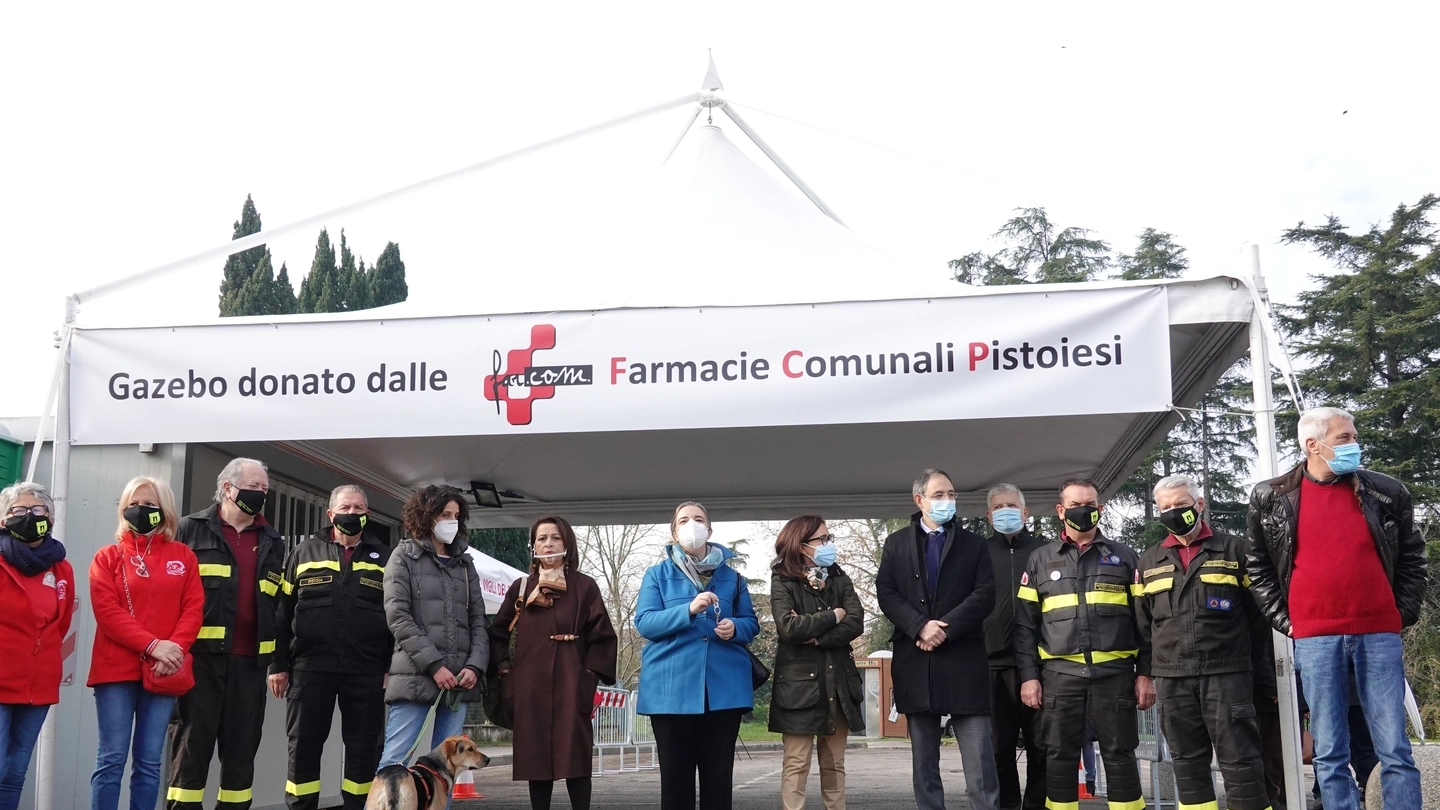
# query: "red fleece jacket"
169, 604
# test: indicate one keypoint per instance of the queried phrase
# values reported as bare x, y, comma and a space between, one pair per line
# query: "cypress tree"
317, 290
387, 279
344, 294
284, 292
240, 266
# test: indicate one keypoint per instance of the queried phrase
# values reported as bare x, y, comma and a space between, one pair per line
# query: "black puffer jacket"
813, 681
1270, 540
1009, 558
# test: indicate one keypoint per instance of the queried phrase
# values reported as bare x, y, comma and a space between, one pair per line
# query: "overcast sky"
133, 133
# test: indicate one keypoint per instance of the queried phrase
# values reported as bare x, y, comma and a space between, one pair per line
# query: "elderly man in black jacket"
1336, 563
936, 585
1010, 547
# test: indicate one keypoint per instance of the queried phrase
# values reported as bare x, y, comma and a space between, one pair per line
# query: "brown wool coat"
551, 686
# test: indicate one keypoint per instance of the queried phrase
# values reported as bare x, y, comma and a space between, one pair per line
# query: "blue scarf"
699, 572
31, 561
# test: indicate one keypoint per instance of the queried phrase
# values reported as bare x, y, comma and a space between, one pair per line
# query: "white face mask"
550, 560
692, 535
445, 530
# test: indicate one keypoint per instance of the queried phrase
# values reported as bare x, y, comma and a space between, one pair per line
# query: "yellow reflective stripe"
366, 566
1158, 585
1137, 590
176, 794
355, 788
1139, 804
214, 570
268, 588
267, 647
1064, 600
235, 796
1221, 579
1028, 593
211, 632
333, 565
1051, 804
1103, 656
1106, 598
287, 587
1246, 581
1046, 655
303, 789
1210, 805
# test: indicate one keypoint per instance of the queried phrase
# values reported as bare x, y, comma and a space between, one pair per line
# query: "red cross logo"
497, 385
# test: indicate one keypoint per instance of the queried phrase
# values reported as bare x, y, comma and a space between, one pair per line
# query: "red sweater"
1338, 586
31, 661
169, 604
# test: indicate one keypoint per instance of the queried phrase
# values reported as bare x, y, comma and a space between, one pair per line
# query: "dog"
427, 784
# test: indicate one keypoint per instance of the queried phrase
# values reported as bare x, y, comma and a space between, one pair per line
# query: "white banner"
495, 579
973, 357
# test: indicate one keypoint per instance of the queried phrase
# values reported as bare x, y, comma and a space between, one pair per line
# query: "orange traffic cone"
465, 786
1084, 792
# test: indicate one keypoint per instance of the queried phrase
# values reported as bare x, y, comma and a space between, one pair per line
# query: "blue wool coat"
684, 660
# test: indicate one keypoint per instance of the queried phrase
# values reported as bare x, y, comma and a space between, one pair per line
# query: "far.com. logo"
521, 383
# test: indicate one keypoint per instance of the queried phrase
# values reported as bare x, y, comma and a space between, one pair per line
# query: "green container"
12, 454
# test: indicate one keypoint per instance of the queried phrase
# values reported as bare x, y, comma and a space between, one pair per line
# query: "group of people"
1007, 641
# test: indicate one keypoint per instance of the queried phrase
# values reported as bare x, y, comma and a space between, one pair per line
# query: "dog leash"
453, 702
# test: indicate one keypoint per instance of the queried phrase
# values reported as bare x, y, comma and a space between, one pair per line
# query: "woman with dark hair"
551, 643
695, 612
435, 611
818, 692
37, 600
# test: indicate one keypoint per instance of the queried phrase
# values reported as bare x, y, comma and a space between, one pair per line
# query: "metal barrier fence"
621, 732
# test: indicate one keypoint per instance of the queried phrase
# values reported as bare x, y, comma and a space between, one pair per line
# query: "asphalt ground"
876, 779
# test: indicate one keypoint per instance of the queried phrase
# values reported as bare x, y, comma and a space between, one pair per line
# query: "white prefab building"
738, 346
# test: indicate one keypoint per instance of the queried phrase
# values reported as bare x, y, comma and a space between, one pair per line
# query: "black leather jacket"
1270, 540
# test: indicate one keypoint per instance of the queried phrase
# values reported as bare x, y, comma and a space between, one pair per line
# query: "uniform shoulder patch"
1233, 565
1024, 577
1161, 569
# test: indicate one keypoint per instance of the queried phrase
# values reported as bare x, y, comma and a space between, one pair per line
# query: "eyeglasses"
824, 539
140, 569
38, 510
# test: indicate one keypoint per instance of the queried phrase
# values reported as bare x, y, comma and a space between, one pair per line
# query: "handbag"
492, 701
759, 673
176, 683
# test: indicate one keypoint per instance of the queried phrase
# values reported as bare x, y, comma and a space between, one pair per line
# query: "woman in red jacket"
148, 601
37, 599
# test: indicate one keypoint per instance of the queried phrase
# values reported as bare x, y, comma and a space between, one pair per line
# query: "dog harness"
424, 786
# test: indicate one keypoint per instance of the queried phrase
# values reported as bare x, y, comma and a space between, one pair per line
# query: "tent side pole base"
1267, 466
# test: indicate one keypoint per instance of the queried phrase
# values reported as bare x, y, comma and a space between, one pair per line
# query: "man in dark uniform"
1207, 636
1076, 629
241, 557
333, 645
1010, 547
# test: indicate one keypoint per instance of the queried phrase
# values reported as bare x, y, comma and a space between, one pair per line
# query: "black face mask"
1082, 518
348, 524
1180, 521
250, 501
144, 519
28, 528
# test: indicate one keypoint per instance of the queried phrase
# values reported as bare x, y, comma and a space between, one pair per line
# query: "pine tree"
1036, 252
241, 266
1156, 256
387, 279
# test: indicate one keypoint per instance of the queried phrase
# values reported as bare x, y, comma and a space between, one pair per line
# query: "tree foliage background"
250, 286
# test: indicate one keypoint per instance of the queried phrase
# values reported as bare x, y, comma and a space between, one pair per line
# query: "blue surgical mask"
1347, 459
825, 555
942, 511
1007, 520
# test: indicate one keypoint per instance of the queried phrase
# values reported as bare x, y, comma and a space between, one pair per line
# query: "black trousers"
542, 790
1271, 750
226, 706
1010, 721
309, 712
1214, 712
1110, 701
688, 743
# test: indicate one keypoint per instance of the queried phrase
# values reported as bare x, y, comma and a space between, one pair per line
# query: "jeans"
119, 708
977, 759
402, 729
1380, 681
19, 728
